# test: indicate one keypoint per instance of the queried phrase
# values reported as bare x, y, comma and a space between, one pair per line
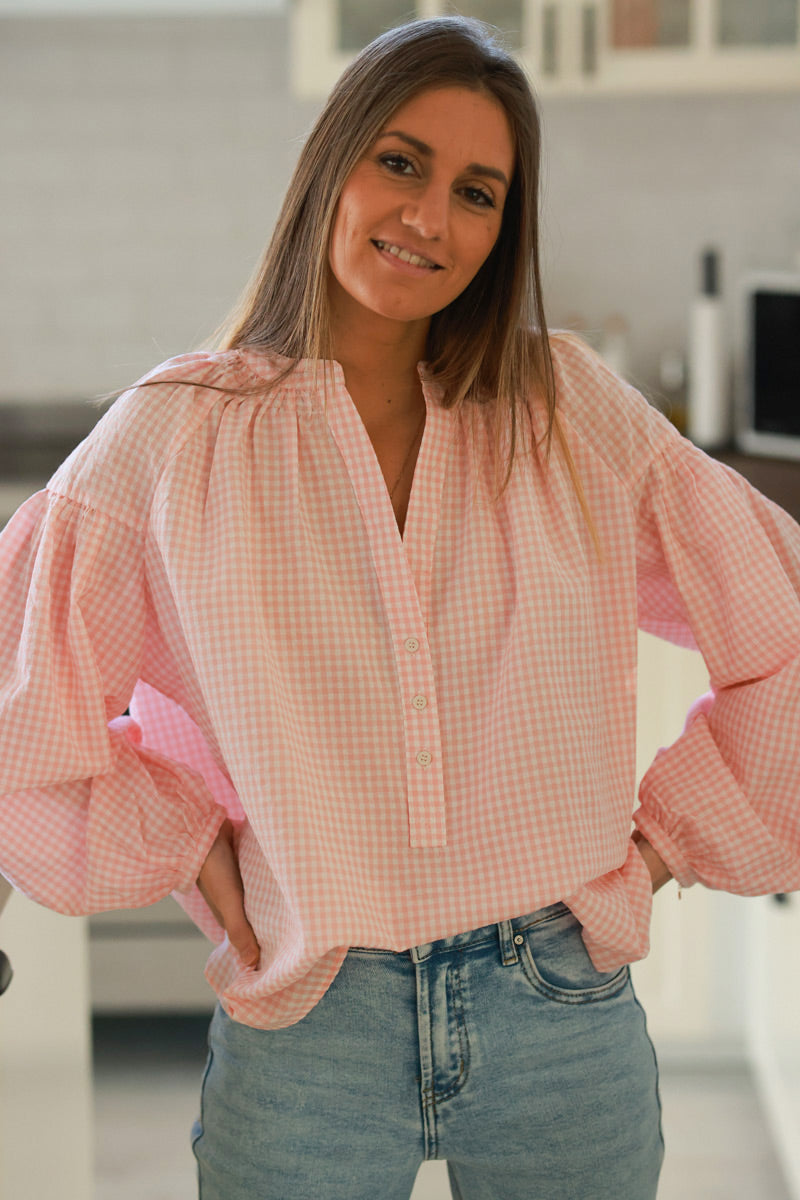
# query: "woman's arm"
89, 818
719, 568
659, 871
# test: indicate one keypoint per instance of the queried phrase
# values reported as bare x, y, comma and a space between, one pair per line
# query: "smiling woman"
475, 328
382, 740
443, 166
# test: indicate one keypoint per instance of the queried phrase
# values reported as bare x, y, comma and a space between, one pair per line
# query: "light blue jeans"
501, 1050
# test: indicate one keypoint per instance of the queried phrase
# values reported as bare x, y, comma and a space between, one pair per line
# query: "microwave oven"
768, 406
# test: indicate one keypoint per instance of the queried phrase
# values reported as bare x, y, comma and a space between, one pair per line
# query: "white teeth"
405, 255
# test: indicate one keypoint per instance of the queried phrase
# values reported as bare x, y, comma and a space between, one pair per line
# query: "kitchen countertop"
777, 478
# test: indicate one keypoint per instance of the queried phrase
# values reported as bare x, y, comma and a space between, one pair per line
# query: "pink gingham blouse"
416, 735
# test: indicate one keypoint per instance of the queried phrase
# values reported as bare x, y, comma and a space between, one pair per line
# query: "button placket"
395, 561
426, 815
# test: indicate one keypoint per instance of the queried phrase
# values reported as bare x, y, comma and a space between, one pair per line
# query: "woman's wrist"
659, 871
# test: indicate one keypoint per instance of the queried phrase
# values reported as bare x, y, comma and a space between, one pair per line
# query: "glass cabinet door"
579, 47
643, 23
359, 21
696, 45
757, 22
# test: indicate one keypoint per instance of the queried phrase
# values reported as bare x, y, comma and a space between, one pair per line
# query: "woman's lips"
406, 257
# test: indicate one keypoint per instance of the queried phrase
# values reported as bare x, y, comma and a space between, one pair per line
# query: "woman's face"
422, 209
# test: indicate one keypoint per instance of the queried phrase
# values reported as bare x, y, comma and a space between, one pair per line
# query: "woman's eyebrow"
426, 150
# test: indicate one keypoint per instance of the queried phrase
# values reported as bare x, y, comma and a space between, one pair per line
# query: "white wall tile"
144, 161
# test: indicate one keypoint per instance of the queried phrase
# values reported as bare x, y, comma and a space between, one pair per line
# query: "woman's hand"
659, 871
221, 887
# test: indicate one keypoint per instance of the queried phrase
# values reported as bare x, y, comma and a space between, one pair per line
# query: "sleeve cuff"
191, 866
665, 847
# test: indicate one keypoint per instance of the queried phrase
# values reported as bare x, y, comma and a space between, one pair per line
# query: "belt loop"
508, 950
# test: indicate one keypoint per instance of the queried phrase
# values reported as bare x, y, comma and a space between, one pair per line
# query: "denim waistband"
502, 933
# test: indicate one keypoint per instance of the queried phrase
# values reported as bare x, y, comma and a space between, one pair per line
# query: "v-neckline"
412, 549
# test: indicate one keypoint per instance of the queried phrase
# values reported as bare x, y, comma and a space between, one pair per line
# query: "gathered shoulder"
227, 370
606, 416
117, 467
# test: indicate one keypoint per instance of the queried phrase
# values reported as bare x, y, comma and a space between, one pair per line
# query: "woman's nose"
428, 213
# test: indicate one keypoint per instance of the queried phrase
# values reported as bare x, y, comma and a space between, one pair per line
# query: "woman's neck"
379, 359
384, 390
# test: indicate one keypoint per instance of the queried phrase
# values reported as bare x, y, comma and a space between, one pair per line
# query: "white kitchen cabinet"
690, 983
687, 46
582, 47
46, 1122
773, 960
148, 960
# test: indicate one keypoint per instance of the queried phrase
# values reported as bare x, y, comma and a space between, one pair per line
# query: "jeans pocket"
557, 964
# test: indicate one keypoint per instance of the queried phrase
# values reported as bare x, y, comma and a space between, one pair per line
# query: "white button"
519, 940
424, 758
412, 645
420, 702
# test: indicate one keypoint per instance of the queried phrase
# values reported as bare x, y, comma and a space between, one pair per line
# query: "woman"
377, 623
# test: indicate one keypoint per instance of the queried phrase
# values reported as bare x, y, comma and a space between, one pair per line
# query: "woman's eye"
478, 196
398, 164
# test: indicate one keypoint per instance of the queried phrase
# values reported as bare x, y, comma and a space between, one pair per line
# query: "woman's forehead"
456, 118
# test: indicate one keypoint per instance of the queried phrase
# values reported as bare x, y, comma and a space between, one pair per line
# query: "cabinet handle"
550, 39
589, 39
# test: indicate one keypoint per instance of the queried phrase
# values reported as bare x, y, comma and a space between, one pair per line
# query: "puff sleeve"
719, 569
89, 818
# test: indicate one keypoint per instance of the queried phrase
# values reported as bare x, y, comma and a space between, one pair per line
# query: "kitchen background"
144, 150
144, 160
